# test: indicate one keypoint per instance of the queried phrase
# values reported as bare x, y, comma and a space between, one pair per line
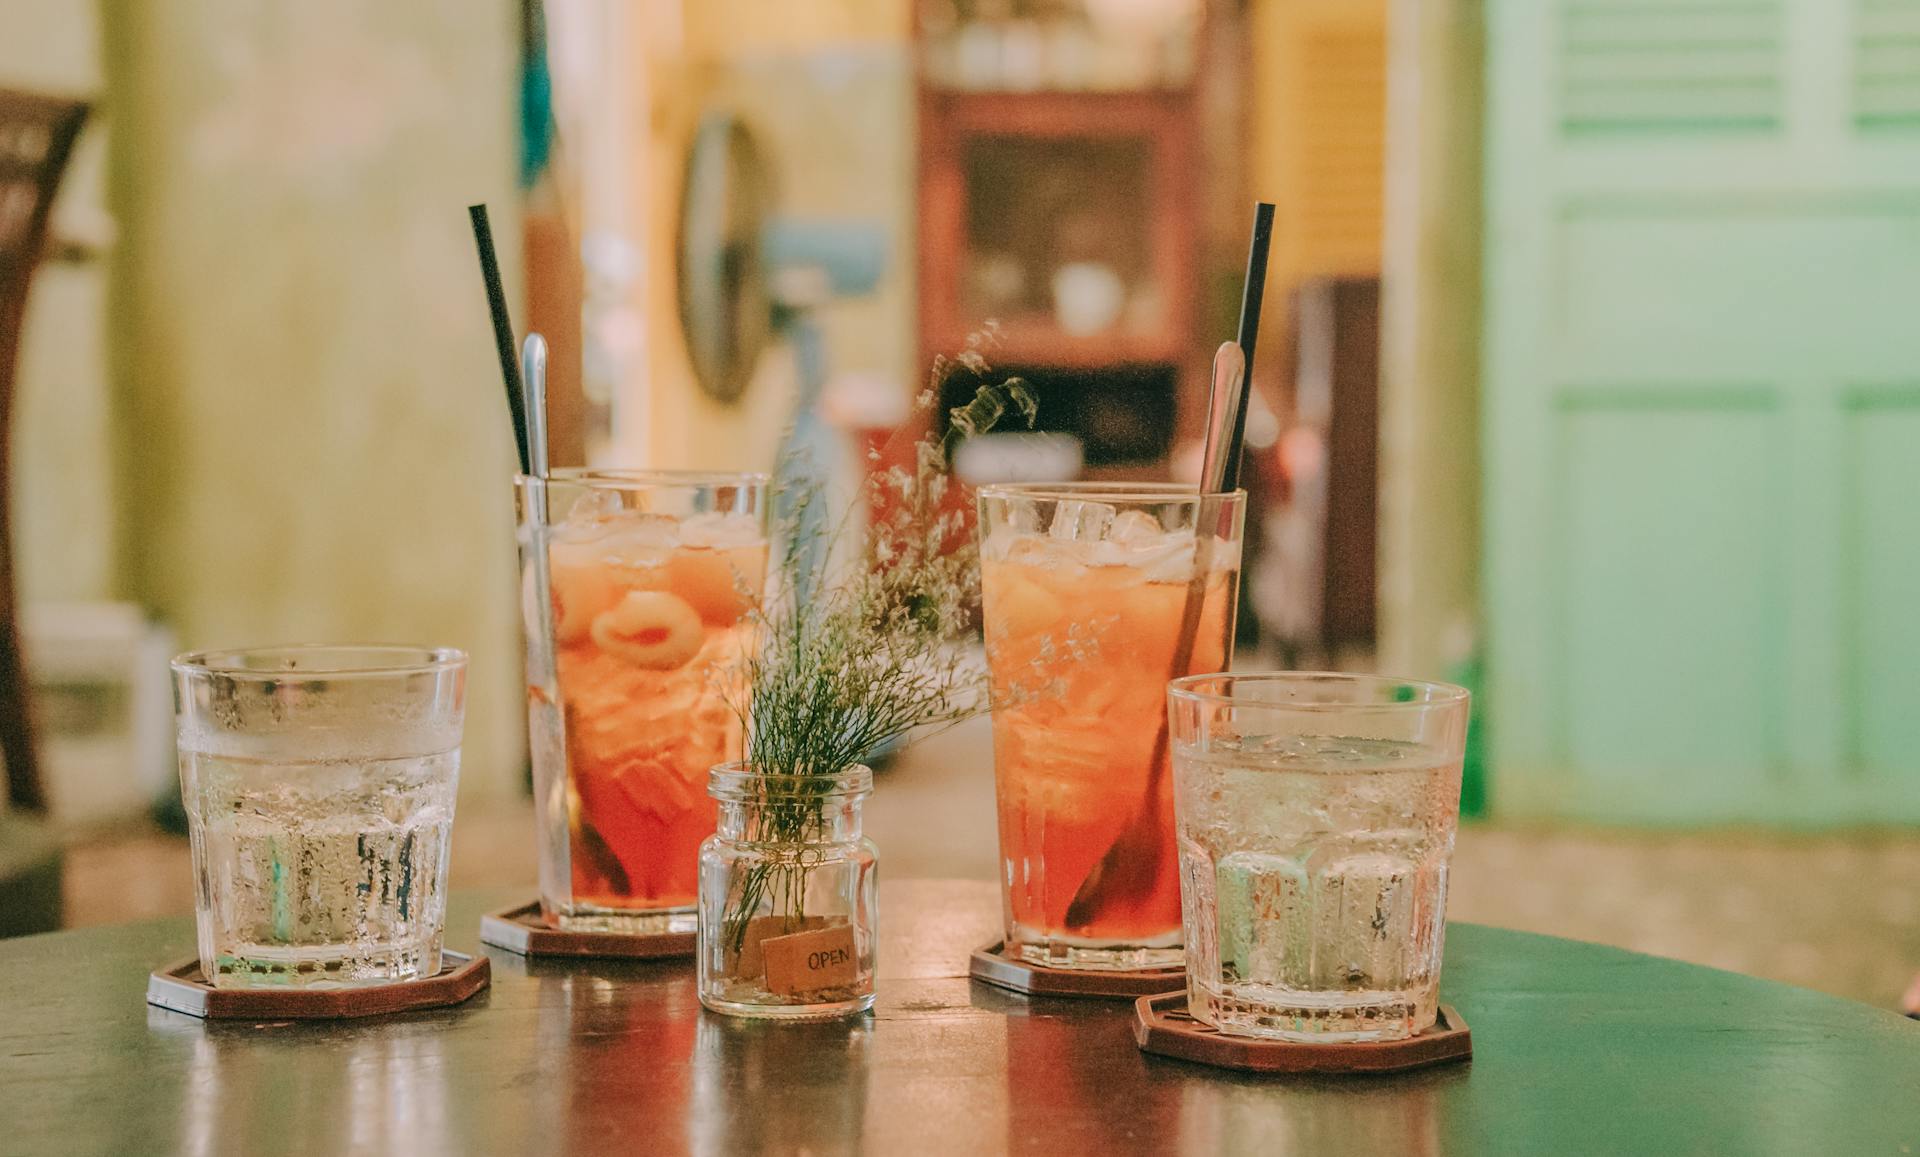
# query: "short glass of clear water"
319, 786
1315, 815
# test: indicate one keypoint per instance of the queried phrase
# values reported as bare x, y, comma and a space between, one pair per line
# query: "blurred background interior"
1591, 380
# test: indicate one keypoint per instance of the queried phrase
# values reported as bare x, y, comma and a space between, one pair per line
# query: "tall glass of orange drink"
636, 591
1086, 591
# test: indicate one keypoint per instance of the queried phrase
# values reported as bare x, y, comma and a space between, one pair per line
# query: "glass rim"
1191, 688
406, 659
1142, 492
616, 477
733, 778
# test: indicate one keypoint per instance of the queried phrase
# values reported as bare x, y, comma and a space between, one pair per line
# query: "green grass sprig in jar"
851, 657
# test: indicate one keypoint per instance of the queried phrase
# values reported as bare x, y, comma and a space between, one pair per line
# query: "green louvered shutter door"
1702, 409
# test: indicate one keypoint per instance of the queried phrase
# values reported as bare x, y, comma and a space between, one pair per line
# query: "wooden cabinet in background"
1070, 220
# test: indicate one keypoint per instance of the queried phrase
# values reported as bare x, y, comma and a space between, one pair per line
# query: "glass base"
828, 1010
1097, 955
622, 921
1274, 1013
342, 966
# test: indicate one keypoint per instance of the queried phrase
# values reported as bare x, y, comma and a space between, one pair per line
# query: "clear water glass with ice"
319, 786
1315, 816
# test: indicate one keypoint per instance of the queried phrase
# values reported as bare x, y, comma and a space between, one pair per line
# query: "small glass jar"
787, 901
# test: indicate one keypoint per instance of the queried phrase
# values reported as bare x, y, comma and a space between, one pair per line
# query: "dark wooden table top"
1578, 1049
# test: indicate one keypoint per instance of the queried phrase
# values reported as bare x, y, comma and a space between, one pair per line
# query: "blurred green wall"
1701, 412
312, 441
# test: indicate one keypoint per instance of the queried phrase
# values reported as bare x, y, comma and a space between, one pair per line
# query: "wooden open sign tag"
812, 960
750, 961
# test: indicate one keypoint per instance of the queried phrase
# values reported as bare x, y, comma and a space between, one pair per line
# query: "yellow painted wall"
742, 27
680, 426
826, 86
1317, 127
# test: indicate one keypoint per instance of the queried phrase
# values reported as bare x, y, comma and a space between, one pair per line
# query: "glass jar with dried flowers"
849, 659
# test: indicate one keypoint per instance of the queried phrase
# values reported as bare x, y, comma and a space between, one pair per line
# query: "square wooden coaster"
1162, 1024
523, 931
991, 965
182, 988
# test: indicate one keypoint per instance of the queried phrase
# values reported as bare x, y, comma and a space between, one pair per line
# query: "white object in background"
977, 56
997, 282
104, 708
854, 405
856, 400
1088, 297
1015, 457
1023, 63
1070, 51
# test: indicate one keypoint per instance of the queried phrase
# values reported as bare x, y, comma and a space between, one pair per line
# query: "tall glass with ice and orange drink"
636, 590
1087, 591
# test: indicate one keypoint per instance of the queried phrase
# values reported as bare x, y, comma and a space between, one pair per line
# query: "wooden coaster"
523, 931
991, 965
1161, 1024
182, 988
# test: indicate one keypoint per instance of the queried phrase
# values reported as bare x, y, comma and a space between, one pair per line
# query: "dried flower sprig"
850, 662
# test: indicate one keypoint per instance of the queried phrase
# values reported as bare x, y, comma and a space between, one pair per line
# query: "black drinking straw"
502, 332
1251, 295
1130, 867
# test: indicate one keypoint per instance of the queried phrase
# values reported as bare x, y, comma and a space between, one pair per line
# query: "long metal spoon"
533, 373
1134, 866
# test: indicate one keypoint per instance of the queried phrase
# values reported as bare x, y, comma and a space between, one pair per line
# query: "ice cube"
1266, 908
1162, 558
1022, 516
1134, 526
1077, 520
717, 528
1223, 556
595, 506
1030, 550
999, 543
1136, 539
1169, 562
1117, 558
590, 517
640, 539
1365, 918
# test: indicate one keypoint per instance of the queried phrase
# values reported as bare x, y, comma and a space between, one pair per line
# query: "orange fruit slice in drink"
651, 629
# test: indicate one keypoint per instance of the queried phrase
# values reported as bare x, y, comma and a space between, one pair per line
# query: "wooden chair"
36, 138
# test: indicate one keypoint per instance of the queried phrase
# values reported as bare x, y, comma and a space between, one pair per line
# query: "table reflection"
614, 1042
1059, 1082
1394, 1113
381, 1085
760, 1087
